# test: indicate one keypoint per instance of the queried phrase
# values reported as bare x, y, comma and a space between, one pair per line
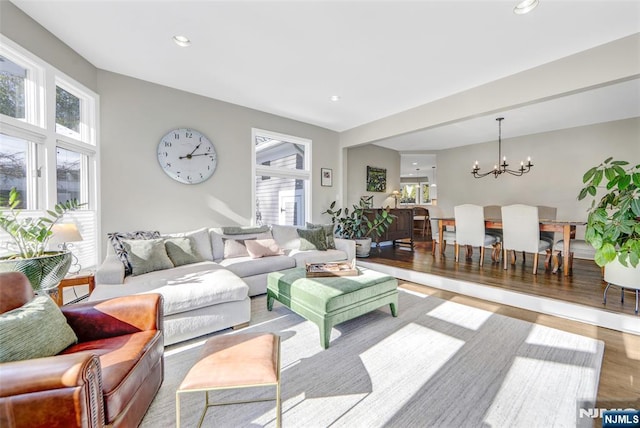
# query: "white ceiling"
381, 57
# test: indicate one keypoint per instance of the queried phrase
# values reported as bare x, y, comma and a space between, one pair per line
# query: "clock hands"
190, 155
193, 156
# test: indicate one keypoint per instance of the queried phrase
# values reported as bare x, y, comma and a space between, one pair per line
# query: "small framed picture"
326, 177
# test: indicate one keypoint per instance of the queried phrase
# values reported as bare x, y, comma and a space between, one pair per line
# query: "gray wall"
23, 30
560, 158
137, 194
358, 158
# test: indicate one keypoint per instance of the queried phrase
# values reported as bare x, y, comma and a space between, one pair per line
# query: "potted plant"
355, 224
613, 225
30, 237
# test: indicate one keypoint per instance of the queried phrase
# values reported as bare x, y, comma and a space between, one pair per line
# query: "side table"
72, 281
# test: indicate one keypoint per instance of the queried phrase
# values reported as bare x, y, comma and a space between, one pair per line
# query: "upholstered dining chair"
470, 230
521, 232
421, 219
448, 236
547, 213
493, 212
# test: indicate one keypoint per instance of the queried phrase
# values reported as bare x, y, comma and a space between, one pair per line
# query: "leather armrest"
115, 317
64, 390
41, 374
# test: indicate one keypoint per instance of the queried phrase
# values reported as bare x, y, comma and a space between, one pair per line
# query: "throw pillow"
36, 329
182, 251
263, 248
116, 239
312, 239
235, 248
147, 255
328, 230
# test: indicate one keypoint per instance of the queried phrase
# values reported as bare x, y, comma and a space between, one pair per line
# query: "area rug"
438, 364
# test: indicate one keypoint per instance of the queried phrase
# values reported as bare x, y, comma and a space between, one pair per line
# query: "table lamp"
63, 233
396, 195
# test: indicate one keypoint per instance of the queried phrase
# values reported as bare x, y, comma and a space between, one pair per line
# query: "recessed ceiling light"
414, 163
525, 6
335, 97
182, 41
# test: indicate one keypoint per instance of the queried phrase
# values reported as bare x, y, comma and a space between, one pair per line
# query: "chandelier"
502, 168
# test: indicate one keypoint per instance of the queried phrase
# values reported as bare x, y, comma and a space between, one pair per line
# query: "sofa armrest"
115, 317
64, 390
348, 246
111, 271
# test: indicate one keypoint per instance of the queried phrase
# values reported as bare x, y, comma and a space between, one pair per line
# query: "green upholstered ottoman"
327, 301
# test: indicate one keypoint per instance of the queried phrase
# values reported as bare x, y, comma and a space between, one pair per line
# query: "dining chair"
470, 230
448, 236
421, 217
493, 212
547, 213
521, 232
580, 248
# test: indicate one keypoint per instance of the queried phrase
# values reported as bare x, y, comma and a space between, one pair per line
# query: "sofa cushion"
246, 266
184, 287
201, 239
126, 361
36, 329
244, 230
328, 230
182, 251
217, 240
234, 248
286, 236
116, 239
312, 239
302, 257
263, 248
147, 255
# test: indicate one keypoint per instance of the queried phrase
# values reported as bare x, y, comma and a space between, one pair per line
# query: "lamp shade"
65, 232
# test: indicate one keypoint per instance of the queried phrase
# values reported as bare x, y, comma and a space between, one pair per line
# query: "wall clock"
187, 156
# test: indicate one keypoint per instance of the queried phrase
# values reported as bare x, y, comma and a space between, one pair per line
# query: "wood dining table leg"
441, 235
566, 235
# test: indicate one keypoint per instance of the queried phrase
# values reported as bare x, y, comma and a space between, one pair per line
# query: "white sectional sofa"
213, 294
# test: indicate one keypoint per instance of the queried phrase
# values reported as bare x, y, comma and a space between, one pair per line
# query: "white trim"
557, 308
300, 174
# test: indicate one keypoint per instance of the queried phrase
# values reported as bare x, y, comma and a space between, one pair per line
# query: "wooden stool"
231, 362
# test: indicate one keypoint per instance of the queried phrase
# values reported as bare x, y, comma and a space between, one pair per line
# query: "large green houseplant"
356, 224
613, 225
30, 236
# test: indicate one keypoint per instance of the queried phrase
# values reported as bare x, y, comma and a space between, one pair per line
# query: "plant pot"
363, 247
44, 272
623, 276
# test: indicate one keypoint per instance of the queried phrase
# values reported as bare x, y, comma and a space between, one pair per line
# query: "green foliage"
613, 225
30, 234
354, 223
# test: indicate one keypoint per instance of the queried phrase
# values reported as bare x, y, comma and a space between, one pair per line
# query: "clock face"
187, 156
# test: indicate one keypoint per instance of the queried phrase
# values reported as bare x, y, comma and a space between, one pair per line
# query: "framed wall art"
376, 179
326, 177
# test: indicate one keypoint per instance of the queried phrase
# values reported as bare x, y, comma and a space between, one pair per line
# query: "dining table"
567, 228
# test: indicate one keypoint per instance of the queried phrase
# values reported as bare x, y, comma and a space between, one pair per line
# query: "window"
13, 164
282, 178
12, 88
67, 113
48, 160
416, 193
69, 175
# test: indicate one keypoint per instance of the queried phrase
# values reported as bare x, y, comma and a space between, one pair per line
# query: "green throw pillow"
328, 231
312, 239
35, 330
147, 255
182, 251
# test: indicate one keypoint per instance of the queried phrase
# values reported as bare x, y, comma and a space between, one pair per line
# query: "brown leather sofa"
108, 378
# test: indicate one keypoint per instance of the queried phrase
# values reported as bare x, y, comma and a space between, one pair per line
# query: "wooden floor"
619, 385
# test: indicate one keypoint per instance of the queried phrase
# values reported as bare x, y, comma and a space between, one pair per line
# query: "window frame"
267, 170
39, 129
